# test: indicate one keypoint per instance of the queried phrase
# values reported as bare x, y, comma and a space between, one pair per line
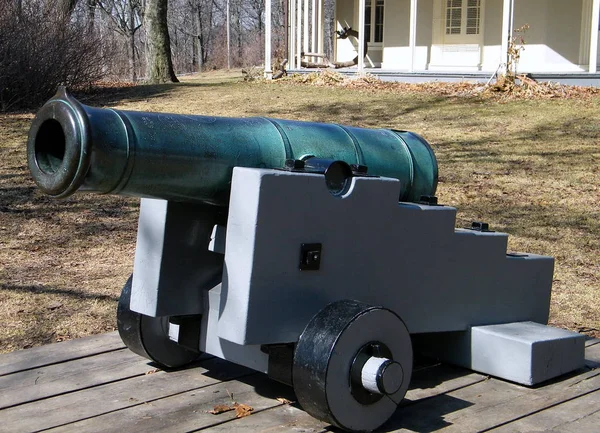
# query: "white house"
452, 38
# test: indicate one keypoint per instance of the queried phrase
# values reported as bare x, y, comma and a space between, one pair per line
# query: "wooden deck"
97, 385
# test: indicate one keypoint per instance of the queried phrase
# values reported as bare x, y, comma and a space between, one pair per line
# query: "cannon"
315, 253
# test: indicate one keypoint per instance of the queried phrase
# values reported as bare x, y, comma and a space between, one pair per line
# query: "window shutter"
453, 17
473, 16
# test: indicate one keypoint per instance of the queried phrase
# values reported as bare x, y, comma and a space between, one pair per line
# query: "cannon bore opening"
50, 144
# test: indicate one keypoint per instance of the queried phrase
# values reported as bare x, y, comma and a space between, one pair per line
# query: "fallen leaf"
284, 400
156, 370
220, 408
242, 410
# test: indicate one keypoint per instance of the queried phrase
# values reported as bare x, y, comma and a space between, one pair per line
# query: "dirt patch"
528, 166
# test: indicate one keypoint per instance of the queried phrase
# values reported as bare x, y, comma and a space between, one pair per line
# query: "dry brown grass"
528, 167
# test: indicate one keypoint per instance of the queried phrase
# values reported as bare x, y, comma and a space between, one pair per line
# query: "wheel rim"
323, 364
148, 336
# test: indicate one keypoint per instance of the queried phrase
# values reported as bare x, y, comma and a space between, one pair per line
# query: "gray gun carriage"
314, 253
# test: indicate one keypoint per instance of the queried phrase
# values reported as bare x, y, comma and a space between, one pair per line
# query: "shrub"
40, 49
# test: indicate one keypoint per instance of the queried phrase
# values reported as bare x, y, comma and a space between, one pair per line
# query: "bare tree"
329, 31
132, 35
68, 6
41, 50
204, 13
256, 11
159, 66
126, 17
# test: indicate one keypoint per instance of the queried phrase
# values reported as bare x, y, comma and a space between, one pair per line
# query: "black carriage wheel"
352, 365
148, 336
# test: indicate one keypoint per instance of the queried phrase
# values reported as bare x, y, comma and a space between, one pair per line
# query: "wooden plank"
492, 403
406, 419
59, 352
55, 379
587, 424
188, 411
439, 379
558, 417
280, 419
92, 399
180, 414
99, 400
438, 412
426, 383
527, 404
592, 356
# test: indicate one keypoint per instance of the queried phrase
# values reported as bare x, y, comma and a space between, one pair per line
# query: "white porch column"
320, 28
305, 25
292, 34
361, 35
594, 37
228, 39
268, 70
299, 34
313, 29
412, 40
507, 20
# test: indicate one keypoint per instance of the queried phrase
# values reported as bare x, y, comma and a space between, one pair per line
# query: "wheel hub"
374, 373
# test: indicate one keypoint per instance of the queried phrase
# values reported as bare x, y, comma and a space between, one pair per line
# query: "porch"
424, 40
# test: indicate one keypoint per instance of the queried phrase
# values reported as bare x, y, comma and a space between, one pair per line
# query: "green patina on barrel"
190, 158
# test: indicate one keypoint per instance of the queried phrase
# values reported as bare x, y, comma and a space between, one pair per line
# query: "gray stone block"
523, 352
526, 352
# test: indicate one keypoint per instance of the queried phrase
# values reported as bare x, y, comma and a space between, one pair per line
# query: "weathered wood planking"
591, 341
114, 396
558, 417
190, 410
60, 352
486, 405
427, 383
95, 385
44, 382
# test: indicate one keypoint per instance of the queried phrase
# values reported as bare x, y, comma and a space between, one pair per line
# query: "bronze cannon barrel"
188, 158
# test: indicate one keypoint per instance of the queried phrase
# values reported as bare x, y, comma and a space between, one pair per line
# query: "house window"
374, 20
463, 17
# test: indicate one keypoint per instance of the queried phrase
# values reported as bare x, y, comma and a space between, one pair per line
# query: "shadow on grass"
102, 96
70, 293
67, 223
361, 113
537, 222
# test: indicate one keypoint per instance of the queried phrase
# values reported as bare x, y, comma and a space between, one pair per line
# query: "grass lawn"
530, 168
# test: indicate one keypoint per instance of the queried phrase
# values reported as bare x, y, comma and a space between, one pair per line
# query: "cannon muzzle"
178, 157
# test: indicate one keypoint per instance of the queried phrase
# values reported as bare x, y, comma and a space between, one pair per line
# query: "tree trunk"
329, 33
68, 6
194, 9
199, 40
239, 38
132, 43
91, 14
132, 69
160, 64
